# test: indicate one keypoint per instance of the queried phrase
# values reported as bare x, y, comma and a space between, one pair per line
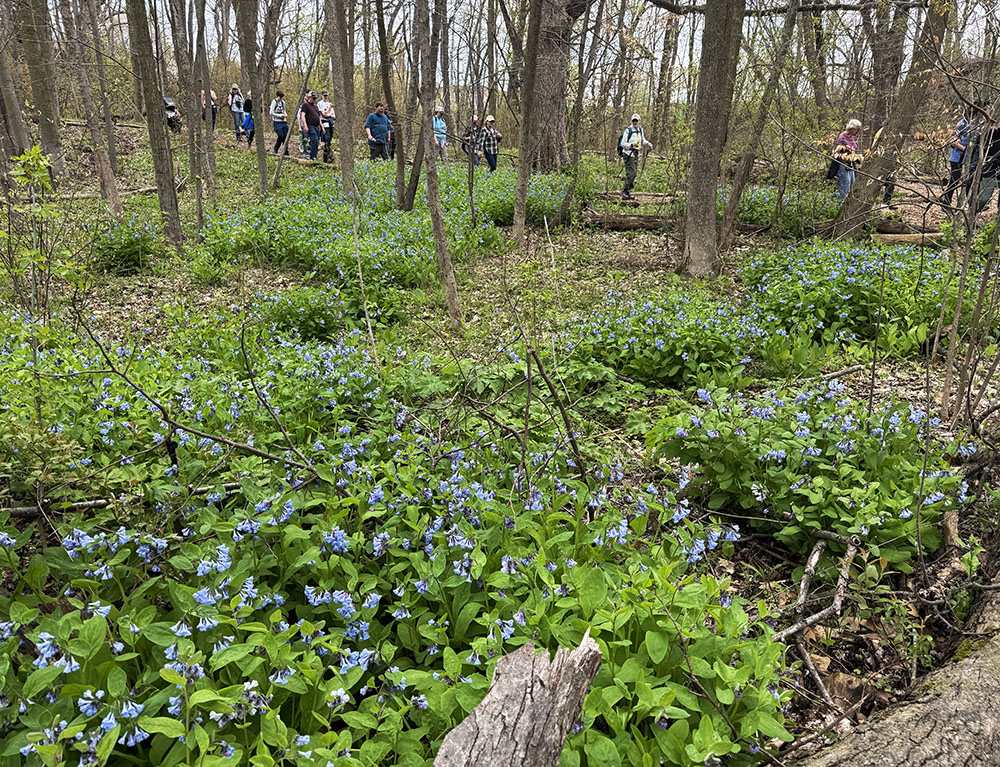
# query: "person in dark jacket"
470, 138
309, 122
991, 165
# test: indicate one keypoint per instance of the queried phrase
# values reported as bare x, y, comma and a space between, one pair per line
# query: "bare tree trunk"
516, 71
188, 95
9, 97
663, 85
525, 146
39, 54
742, 176
105, 176
491, 56
885, 38
857, 207
343, 90
102, 82
428, 50
385, 67
207, 135
812, 38
142, 47
720, 45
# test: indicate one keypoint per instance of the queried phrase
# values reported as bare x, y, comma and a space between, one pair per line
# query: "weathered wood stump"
530, 707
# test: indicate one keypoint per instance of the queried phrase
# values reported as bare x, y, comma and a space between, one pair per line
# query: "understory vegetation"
265, 532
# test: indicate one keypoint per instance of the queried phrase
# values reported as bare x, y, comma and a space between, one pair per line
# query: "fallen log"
931, 239
951, 720
627, 222
891, 226
530, 707
639, 196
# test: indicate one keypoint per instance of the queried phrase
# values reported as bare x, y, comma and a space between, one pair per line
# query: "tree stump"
530, 707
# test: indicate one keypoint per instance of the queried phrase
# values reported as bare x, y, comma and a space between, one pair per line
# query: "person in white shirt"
235, 102
633, 140
325, 125
279, 115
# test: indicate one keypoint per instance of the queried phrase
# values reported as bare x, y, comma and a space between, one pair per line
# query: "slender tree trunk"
812, 39
188, 94
425, 51
39, 54
516, 71
77, 61
142, 47
207, 134
720, 46
491, 56
343, 90
882, 162
102, 81
663, 83
885, 38
525, 147
385, 67
742, 176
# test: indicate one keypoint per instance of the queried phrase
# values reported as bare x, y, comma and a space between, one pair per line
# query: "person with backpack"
235, 101
279, 116
470, 139
630, 143
248, 129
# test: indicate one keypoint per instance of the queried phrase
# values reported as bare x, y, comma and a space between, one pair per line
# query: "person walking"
378, 128
632, 142
309, 122
325, 125
440, 135
235, 102
470, 139
848, 158
204, 109
990, 176
248, 124
489, 142
279, 117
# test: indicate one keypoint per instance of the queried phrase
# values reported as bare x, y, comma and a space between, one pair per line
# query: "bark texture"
159, 143
529, 709
35, 27
720, 45
953, 719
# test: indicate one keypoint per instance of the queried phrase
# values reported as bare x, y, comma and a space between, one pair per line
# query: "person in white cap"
235, 102
440, 134
631, 142
489, 142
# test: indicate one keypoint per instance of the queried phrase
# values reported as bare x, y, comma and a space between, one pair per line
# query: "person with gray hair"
632, 141
848, 158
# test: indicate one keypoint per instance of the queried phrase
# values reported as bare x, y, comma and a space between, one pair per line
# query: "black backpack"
621, 150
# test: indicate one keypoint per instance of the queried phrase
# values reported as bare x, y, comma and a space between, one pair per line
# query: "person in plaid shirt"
489, 142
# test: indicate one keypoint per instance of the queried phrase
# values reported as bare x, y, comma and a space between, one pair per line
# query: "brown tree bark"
516, 70
141, 45
427, 47
35, 28
526, 144
188, 94
102, 82
343, 90
77, 61
886, 34
385, 68
10, 99
720, 45
663, 84
742, 176
207, 134
882, 162
531, 705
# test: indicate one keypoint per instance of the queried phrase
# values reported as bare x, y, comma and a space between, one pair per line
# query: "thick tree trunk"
812, 38
13, 119
742, 175
142, 47
102, 81
35, 28
343, 90
530, 707
526, 144
663, 85
550, 151
952, 719
885, 38
516, 70
720, 45
105, 176
856, 210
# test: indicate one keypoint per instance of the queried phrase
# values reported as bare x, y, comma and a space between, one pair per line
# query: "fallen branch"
833, 609
31, 512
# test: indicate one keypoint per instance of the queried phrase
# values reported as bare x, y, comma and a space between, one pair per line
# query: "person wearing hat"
378, 128
470, 139
629, 145
440, 134
489, 142
279, 116
309, 121
235, 101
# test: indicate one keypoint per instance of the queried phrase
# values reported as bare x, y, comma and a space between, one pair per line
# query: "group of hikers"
315, 118
975, 141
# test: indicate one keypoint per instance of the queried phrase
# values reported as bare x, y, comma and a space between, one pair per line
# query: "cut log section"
530, 707
627, 222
